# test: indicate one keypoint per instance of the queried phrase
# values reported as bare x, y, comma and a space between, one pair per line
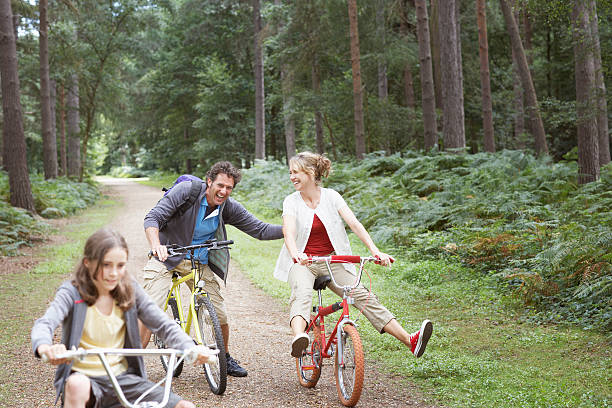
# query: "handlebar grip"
345, 259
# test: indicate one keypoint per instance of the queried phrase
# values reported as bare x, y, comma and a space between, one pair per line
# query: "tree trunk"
74, 129
49, 143
485, 79
12, 131
53, 103
535, 121
453, 124
62, 121
519, 107
260, 122
600, 84
434, 31
588, 151
318, 119
288, 101
383, 90
428, 97
357, 87
188, 161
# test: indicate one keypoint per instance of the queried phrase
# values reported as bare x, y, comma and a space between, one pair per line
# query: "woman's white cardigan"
327, 211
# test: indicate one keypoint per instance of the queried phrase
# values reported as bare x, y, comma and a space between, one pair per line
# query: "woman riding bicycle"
100, 308
312, 226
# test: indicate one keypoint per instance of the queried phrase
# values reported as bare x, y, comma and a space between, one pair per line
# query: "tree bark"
49, 143
434, 31
519, 107
383, 87
535, 120
74, 129
288, 101
428, 97
12, 131
318, 118
588, 144
53, 103
62, 122
357, 86
260, 122
485, 79
600, 85
453, 124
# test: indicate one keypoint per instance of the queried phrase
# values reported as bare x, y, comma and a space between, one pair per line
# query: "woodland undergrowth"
52, 199
523, 220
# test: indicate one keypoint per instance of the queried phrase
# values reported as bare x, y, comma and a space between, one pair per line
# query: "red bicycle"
343, 342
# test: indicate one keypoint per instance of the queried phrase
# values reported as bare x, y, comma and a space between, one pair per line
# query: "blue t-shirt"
204, 230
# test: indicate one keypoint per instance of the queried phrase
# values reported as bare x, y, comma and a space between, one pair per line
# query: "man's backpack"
196, 188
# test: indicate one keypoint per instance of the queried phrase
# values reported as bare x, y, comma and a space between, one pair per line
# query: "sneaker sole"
426, 330
298, 346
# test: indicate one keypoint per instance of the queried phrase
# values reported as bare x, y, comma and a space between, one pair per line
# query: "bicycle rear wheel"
349, 367
309, 365
162, 345
212, 337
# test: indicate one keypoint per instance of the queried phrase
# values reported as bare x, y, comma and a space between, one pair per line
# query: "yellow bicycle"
201, 314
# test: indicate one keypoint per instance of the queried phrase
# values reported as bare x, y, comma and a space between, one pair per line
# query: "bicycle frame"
328, 343
191, 313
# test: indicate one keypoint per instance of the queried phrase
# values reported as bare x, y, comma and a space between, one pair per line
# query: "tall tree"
428, 97
73, 129
258, 66
600, 86
318, 117
357, 85
586, 103
533, 111
453, 117
62, 131
519, 106
383, 90
409, 100
15, 160
288, 100
48, 137
485, 77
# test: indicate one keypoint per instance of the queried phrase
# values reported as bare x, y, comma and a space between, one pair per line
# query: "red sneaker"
419, 339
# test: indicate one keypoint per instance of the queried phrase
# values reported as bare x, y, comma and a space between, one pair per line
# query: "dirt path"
259, 339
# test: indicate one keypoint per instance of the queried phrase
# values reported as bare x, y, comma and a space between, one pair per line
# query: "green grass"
25, 294
481, 354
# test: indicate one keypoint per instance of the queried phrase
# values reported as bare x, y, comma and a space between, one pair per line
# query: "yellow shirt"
102, 331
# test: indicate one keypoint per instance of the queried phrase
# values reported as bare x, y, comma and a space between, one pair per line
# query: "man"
204, 220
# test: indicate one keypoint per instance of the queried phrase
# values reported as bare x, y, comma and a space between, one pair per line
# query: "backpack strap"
194, 193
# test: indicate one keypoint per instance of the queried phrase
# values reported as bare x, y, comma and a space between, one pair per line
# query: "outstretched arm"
359, 230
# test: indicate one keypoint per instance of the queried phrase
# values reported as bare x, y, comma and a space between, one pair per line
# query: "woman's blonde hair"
96, 248
312, 163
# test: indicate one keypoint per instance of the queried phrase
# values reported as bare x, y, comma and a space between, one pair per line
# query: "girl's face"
300, 178
110, 272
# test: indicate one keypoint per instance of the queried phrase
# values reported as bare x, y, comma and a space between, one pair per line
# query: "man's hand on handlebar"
160, 251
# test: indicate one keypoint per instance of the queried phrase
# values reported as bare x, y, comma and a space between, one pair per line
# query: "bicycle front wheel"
349, 367
212, 337
160, 344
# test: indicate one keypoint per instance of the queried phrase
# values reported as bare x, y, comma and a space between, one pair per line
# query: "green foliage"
52, 198
520, 219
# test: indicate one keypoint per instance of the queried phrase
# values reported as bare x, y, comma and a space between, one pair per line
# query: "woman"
100, 309
312, 226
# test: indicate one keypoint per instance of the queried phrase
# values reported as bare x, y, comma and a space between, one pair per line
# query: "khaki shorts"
158, 281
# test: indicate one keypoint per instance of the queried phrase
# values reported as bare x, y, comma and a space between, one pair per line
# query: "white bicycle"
174, 358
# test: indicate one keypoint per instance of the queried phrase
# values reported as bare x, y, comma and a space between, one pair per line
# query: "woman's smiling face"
300, 178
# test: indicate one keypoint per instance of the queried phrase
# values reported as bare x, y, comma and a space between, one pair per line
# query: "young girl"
100, 308
312, 226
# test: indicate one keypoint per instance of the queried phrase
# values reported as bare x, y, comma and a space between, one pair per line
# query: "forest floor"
259, 337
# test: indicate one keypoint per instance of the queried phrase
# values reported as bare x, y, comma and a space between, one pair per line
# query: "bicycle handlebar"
80, 354
347, 259
211, 244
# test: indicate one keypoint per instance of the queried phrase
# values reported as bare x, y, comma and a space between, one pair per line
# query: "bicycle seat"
321, 282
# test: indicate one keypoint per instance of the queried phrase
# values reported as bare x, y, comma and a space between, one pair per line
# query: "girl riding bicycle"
312, 226
100, 308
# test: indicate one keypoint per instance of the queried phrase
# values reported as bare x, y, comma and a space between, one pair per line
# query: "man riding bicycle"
204, 220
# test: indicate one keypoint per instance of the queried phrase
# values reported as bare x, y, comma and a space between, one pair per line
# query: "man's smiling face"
219, 189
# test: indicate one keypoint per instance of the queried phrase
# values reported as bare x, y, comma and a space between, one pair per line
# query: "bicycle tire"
308, 377
349, 376
212, 337
162, 345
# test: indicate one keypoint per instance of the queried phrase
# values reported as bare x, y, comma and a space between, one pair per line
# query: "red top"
318, 243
